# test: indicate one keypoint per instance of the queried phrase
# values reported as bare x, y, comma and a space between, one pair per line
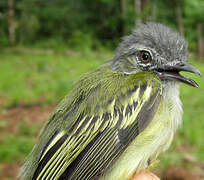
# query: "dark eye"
145, 56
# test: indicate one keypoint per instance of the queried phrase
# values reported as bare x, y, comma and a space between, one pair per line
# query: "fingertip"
145, 175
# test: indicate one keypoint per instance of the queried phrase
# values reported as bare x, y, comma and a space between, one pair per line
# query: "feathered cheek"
144, 66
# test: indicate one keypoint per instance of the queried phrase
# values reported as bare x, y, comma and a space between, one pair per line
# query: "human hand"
145, 175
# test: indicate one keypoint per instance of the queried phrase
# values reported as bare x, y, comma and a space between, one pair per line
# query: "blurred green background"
46, 45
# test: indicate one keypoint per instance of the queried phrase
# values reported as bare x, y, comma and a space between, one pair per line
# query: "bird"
119, 117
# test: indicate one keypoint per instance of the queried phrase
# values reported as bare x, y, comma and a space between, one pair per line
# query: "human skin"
145, 175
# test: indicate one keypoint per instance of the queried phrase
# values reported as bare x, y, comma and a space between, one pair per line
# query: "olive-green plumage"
115, 121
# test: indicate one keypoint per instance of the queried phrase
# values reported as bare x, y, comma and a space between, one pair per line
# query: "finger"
145, 175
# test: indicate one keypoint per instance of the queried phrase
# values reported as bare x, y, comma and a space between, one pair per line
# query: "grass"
32, 78
41, 77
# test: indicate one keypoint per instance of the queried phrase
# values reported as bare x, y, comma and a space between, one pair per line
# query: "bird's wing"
94, 142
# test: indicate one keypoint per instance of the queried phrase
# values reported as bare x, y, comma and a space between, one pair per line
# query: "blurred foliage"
42, 77
85, 23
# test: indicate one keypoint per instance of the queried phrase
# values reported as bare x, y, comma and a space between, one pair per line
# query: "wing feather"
88, 134
96, 142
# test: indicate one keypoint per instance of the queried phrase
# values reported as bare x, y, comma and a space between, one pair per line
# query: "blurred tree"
142, 8
154, 10
11, 22
145, 6
123, 14
105, 21
179, 16
4, 40
194, 23
138, 9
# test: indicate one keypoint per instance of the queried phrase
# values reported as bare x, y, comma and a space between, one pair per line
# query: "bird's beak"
172, 73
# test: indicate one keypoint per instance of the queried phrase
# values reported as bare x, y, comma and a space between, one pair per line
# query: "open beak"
172, 73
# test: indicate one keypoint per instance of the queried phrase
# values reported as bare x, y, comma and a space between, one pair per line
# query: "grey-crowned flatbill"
119, 117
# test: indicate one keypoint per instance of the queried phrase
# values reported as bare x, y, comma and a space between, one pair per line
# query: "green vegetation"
32, 78
89, 24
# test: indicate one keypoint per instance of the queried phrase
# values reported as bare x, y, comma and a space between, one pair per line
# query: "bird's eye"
145, 56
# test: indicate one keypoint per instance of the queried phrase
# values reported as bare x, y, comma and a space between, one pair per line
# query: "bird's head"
154, 47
